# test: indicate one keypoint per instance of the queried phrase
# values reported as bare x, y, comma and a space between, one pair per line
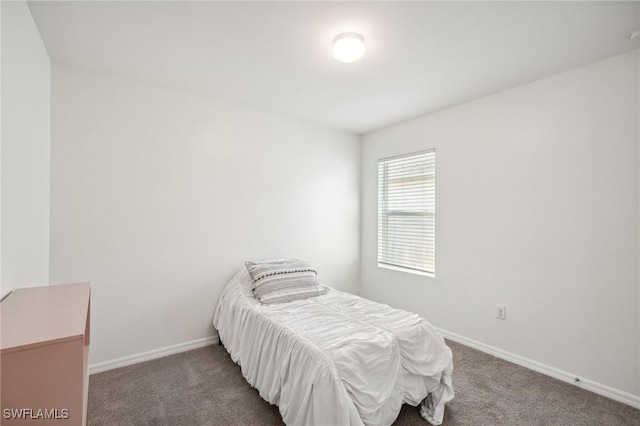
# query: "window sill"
409, 271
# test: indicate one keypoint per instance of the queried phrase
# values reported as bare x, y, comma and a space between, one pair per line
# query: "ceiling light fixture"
348, 47
635, 35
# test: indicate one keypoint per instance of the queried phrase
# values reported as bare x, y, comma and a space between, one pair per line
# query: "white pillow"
279, 281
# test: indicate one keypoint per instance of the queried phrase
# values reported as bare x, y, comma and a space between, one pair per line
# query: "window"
406, 212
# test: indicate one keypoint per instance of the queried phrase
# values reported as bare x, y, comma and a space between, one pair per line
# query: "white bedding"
336, 359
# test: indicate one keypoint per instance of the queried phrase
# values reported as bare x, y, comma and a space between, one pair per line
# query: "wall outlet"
501, 312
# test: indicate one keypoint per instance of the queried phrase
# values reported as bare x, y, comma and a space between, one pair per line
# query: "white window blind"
406, 212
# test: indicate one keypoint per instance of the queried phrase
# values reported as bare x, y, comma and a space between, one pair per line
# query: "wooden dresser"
44, 355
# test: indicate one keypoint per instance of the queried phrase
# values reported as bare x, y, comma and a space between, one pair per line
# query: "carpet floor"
204, 387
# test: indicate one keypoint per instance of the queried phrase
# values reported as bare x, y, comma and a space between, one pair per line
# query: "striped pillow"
280, 281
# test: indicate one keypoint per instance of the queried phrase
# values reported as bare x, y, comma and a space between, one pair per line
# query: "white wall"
158, 198
537, 209
25, 150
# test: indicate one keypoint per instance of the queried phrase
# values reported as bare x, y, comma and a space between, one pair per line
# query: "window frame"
384, 213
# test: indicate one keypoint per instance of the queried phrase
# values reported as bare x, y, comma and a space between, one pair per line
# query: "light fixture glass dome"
348, 47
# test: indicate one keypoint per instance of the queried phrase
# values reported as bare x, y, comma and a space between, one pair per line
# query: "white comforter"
336, 359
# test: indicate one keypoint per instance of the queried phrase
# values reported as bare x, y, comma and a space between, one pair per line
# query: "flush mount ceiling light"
348, 47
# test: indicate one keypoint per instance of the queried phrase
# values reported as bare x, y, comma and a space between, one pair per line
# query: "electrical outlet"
501, 312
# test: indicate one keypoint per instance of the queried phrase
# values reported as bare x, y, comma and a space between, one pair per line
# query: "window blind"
406, 212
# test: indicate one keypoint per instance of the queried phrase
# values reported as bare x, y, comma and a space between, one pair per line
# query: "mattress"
335, 359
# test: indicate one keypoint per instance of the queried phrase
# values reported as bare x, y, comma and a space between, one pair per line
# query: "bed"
335, 359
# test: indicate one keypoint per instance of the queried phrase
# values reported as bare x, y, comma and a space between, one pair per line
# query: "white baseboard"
595, 387
153, 354
600, 389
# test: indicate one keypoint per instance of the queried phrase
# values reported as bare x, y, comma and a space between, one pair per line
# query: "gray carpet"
204, 387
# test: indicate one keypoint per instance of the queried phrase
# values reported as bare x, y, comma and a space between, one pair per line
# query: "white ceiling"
276, 56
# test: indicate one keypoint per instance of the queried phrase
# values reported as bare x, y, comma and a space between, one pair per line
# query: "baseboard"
595, 387
153, 354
